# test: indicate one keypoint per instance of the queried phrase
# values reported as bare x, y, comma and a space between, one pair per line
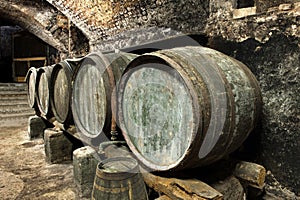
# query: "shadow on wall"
275, 143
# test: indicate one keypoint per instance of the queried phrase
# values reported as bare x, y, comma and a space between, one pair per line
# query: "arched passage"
23, 17
44, 22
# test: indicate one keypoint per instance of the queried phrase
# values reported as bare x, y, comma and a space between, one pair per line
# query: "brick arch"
47, 23
24, 17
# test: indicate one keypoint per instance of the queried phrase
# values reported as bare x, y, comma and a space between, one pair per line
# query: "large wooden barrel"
118, 178
186, 107
94, 83
43, 90
61, 90
32, 89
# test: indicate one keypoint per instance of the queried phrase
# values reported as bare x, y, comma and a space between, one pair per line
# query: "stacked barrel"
176, 108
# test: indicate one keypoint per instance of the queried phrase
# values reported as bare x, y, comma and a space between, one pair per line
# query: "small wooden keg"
118, 178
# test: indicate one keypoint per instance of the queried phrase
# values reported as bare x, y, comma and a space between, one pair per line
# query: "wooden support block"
231, 188
181, 189
251, 173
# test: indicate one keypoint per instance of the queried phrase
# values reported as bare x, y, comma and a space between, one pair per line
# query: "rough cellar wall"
269, 45
276, 66
264, 5
258, 26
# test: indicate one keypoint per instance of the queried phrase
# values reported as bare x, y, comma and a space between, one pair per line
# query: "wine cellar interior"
252, 49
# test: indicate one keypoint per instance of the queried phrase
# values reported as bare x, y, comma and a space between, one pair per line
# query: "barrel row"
176, 108
79, 91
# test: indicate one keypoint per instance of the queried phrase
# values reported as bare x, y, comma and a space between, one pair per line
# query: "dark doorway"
20, 50
6, 32
29, 51
245, 3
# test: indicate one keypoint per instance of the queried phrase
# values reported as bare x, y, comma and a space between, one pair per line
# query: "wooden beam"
29, 59
251, 173
180, 188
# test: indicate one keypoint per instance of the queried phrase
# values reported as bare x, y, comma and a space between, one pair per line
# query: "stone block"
58, 146
85, 160
36, 126
243, 12
284, 7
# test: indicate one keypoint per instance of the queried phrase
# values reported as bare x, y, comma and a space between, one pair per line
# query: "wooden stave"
237, 135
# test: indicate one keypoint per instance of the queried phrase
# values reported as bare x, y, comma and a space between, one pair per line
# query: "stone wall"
275, 143
6, 40
256, 26
268, 44
264, 5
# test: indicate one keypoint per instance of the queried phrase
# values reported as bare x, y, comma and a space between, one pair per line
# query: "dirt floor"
24, 173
